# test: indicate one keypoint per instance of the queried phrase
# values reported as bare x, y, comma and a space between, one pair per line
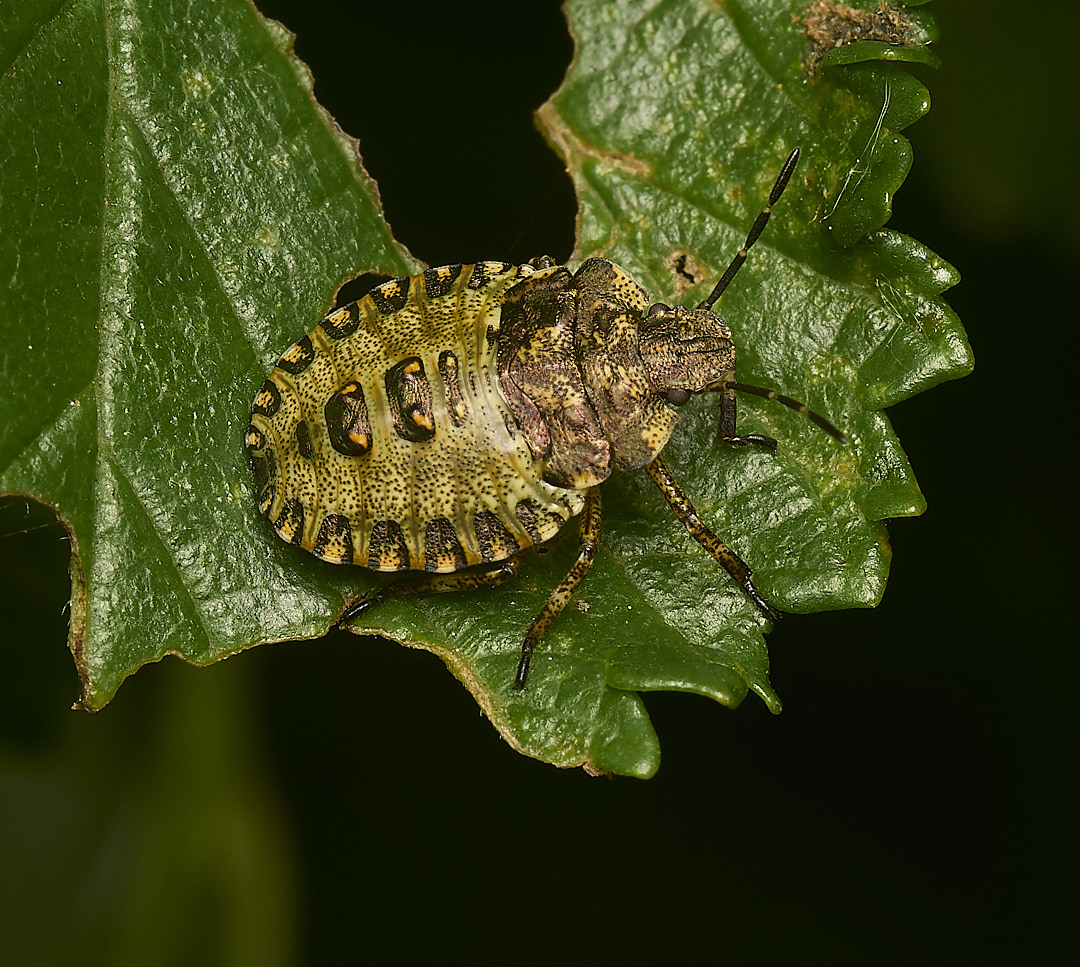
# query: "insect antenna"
755, 232
793, 404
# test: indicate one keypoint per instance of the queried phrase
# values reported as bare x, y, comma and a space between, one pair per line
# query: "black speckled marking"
264, 464
387, 550
511, 425
455, 401
254, 439
496, 542
267, 400
438, 282
347, 422
297, 357
535, 519
408, 392
390, 297
342, 323
303, 441
484, 273
442, 549
290, 522
334, 540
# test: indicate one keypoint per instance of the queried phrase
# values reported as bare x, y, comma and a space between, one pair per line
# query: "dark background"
915, 803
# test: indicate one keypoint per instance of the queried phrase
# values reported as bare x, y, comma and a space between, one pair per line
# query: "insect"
447, 422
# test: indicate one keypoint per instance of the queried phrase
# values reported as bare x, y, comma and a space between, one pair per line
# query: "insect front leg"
588, 544
727, 414
680, 504
488, 577
726, 430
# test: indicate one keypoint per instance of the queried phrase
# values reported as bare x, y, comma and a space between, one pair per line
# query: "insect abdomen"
381, 438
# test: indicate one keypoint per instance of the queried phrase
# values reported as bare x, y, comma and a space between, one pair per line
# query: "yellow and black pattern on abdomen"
381, 438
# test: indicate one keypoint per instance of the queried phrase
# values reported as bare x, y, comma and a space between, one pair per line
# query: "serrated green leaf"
207, 222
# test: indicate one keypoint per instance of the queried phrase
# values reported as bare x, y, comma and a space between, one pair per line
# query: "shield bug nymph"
448, 422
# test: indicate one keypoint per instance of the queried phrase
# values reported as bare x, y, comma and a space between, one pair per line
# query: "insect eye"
658, 309
678, 396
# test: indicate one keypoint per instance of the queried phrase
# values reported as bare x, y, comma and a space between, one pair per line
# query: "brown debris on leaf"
832, 25
686, 272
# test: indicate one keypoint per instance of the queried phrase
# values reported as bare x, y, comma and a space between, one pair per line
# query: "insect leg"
588, 543
726, 430
433, 584
680, 504
770, 394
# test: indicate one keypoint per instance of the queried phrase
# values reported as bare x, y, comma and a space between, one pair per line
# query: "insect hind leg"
588, 544
488, 577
